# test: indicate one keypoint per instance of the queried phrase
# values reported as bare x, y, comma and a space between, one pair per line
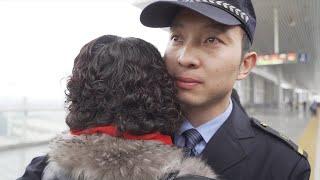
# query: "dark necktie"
192, 137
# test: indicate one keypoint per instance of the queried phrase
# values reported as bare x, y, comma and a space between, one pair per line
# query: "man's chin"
188, 99
191, 100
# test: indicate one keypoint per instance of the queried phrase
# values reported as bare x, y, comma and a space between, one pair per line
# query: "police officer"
207, 52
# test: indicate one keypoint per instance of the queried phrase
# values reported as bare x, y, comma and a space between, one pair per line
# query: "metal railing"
22, 127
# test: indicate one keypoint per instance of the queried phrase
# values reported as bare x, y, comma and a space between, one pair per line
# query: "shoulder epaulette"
280, 136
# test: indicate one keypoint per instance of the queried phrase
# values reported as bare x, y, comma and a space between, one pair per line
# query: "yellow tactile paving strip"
308, 141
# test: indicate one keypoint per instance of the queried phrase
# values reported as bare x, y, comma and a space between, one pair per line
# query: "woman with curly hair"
122, 110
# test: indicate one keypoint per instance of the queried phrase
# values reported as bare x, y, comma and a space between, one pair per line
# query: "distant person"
122, 110
314, 108
304, 104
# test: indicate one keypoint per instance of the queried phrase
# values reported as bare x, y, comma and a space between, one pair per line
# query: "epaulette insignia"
281, 136
263, 124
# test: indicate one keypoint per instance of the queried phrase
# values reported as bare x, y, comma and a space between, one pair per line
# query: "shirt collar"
208, 129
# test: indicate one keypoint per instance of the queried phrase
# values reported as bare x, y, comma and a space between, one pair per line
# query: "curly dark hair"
123, 82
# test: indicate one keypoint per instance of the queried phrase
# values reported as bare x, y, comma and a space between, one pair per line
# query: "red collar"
112, 131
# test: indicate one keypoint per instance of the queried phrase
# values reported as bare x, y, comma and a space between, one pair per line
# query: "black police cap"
228, 12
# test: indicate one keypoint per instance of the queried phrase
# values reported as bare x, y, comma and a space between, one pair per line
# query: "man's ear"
248, 62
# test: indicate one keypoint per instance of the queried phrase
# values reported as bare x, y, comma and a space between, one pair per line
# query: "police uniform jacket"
246, 149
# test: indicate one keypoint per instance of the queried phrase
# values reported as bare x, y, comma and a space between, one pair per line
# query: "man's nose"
188, 58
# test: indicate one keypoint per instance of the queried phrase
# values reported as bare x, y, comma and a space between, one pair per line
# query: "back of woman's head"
122, 82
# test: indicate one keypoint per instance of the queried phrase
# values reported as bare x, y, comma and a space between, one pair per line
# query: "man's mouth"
187, 83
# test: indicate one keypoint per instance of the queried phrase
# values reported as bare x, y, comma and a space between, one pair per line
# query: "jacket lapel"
225, 148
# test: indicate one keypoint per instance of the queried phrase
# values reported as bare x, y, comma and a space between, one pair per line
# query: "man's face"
204, 57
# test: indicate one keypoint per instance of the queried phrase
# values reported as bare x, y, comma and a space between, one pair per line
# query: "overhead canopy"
299, 31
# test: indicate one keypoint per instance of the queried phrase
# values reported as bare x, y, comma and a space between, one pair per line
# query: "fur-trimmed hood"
99, 157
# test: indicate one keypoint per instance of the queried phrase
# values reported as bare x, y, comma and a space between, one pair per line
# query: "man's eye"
175, 38
212, 40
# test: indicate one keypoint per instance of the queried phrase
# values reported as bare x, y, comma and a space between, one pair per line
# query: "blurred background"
39, 40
